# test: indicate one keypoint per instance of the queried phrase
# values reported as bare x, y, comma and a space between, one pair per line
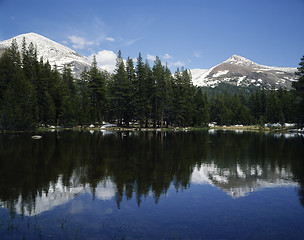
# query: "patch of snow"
289, 124
220, 73
240, 80
227, 79
107, 126
36, 137
199, 76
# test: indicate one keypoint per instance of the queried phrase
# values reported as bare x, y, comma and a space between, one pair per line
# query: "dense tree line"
32, 93
262, 106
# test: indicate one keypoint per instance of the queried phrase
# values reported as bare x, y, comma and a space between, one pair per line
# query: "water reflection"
36, 176
238, 181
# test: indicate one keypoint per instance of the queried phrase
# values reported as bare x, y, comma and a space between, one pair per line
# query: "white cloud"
197, 54
178, 64
151, 57
132, 41
167, 56
106, 60
110, 39
79, 42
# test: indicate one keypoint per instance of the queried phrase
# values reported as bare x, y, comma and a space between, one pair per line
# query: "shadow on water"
139, 164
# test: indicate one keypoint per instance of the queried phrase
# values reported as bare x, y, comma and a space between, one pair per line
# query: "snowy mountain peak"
238, 58
36, 39
241, 61
242, 72
52, 51
31, 34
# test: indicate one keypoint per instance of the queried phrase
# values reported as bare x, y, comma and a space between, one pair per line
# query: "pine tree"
121, 92
19, 111
258, 105
299, 91
200, 109
18, 107
9, 64
288, 103
46, 105
30, 62
182, 110
132, 80
188, 93
84, 99
142, 96
97, 86
219, 112
274, 108
161, 93
139, 96
67, 115
149, 92
177, 98
241, 113
55, 91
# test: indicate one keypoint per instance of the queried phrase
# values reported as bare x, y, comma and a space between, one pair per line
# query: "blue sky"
190, 33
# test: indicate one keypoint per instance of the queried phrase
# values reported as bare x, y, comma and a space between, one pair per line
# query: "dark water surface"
193, 185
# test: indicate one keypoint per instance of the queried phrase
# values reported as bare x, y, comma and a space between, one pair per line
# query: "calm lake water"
152, 185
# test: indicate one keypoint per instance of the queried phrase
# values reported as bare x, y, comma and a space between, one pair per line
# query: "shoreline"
247, 128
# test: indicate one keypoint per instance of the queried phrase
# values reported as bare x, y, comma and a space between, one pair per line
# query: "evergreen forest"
32, 93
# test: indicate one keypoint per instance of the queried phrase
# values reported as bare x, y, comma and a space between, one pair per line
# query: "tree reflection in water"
138, 164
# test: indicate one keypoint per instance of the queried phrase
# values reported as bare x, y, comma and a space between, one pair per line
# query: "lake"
152, 185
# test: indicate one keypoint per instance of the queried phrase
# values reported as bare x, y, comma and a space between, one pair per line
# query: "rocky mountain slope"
242, 72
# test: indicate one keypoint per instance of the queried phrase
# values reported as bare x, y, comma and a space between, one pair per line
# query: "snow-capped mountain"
54, 52
242, 72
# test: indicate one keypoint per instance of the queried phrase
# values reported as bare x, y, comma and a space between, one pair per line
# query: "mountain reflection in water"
37, 175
